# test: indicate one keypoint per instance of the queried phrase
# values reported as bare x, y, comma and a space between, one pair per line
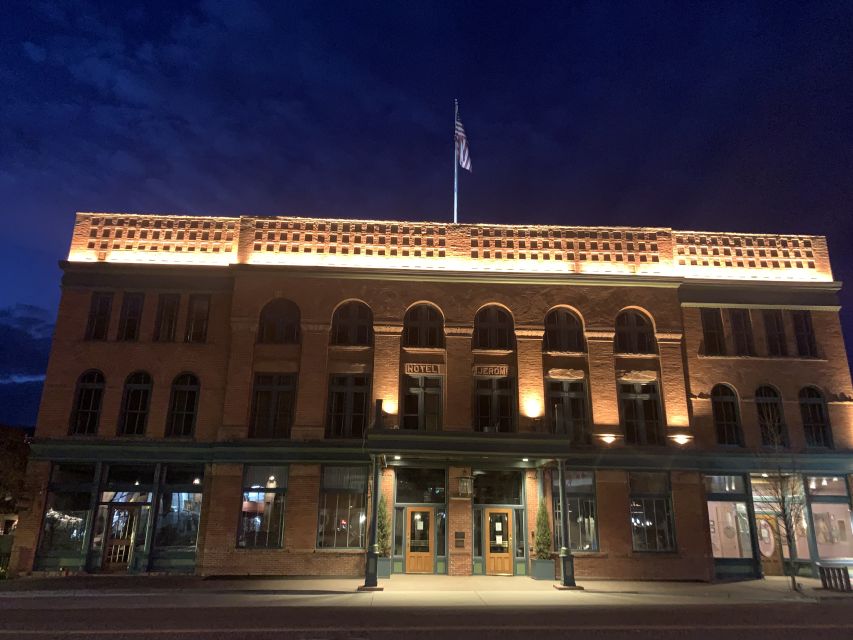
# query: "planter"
383, 568
542, 569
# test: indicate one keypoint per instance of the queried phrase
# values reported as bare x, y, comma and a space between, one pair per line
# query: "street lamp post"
567, 561
371, 582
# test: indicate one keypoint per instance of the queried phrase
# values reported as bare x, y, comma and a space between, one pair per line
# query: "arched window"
135, 403
770, 417
724, 408
815, 418
87, 404
634, 333
279, 323
423, 326
493, 329
563, 331
352, 325
183, 406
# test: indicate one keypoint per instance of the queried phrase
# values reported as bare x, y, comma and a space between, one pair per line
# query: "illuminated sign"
414, 369
491, 370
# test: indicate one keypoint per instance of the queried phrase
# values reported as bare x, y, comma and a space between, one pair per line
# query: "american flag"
462, 154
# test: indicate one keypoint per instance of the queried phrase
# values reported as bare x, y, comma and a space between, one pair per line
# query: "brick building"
211, 399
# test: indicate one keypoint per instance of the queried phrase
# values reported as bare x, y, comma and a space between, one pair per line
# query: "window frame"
280, 386
100, 313
495, 393
345, 385
135, 405
743, 339
419, 324
97, 388
168, 311
713, 332
352, 325
563, 332
175, 411
811, 427
633, 328
494, 329
729, 425
421, 391
197, 327
324, 492
655, 497
577, 496
636, 397
775, 338
280, 322
566, 396
804, 334
774, 399
276, 491
130, 316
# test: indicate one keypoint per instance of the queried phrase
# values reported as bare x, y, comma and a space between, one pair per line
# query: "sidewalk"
421, 591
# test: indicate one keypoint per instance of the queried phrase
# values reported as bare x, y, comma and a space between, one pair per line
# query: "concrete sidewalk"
421, 591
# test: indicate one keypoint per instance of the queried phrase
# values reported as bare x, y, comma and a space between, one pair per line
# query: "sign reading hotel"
491, 370
415, 369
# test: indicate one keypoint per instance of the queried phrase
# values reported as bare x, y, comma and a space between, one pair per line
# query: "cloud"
35, 52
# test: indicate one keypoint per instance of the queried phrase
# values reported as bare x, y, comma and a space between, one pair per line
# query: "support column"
567, 560
371, 567
313, 383
386, 369
602, 382
531, 384
673, 386
460, 363
238, 381
460, 515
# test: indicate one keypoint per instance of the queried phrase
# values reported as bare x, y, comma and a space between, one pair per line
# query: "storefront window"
399, 529
262, 513
420, 485
724, 484
64, 528
178, 517
497, 487
342, 517
441, 533
652, 525
827, 486
833, 530
580, 500
729, 526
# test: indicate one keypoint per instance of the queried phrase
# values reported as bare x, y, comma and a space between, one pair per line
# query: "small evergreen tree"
542, 535
383, 529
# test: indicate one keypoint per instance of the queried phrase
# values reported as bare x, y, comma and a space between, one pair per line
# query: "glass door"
121, 532
420, 557
499, 549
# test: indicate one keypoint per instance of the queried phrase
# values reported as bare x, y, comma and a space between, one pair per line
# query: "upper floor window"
641, 413
100, 309
279, 323
131, 316
183, 406
815, 418
423, 326
770, 417
804, 332
563, 331
352, 325
634, 333
422, 403
135, 403
774, 332
741, 332
567, 410
724, 408
712, 332
493, 329
349, 406
198, 311
166, 324
494, 404
274, 399
87, 404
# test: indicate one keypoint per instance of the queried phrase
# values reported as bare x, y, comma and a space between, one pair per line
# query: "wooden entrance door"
769, 545
121, 530
419, 540
499, 550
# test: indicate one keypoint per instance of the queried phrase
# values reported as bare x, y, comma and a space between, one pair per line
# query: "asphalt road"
141, 617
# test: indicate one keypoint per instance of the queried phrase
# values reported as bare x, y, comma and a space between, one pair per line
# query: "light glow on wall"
608, 438
681, 439
389, 406
532, 405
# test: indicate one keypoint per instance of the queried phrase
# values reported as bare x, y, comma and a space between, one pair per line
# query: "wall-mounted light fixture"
465, 486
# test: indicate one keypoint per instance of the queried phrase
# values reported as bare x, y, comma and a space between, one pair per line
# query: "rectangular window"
178, 516
100, 309
567, 410
167, 317
741, 332
774, 330
497, 487
728, 517
422, 403
833, 529
422, 486
804, 332
641, 413
494, 404
652, 526
712, 331
343, 517
131, 316
580, 500
262, 513
349, 406
274, 399
64, 526
197, 315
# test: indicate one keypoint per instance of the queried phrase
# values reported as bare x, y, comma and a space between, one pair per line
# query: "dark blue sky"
697, 116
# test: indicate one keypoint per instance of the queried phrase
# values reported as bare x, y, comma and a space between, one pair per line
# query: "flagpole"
455, 164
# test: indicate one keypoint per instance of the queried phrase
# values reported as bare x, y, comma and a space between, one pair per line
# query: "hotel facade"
220, 389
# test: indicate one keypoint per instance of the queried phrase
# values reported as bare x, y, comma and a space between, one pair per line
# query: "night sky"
710, 117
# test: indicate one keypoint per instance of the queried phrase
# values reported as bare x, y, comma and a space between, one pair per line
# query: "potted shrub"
542, 564
383, 540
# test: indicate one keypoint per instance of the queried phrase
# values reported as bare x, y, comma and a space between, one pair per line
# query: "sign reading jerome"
414, 369
491, 370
